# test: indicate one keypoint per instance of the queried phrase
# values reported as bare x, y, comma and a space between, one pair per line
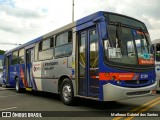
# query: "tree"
2, 52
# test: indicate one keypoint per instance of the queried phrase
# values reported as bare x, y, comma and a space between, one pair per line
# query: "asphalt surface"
49, 105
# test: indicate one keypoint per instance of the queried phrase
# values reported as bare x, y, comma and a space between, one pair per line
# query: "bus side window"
21, 56
14, 58
40, 46
46, 44
63, 44
45, 50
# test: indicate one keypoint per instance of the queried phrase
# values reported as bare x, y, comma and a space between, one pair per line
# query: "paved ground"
10, 101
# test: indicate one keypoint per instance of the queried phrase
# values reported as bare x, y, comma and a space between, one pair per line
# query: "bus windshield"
128, 45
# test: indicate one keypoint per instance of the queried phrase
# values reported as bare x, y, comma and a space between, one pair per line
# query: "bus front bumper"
113, 93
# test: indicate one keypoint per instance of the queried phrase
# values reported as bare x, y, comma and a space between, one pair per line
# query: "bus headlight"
153, 81
118, 82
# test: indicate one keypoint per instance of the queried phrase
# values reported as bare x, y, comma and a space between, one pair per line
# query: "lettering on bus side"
50, 65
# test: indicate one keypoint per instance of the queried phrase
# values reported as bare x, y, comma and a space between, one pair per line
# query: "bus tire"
17, 86
67, 92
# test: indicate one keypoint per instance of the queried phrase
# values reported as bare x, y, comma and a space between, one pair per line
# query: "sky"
24, 20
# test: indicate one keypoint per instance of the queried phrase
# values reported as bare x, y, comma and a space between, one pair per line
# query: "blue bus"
1, 69
104, 56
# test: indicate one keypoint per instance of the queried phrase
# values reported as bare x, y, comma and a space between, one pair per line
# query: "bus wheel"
18, 89
66, 92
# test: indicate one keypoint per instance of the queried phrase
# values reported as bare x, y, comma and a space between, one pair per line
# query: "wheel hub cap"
66, 92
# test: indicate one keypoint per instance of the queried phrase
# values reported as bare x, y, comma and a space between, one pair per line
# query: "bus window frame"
69, 43
20, 56
14, 58
43, 50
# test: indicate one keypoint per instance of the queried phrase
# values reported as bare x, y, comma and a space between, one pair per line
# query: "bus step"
28, 89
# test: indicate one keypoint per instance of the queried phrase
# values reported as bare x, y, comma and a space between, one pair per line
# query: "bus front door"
8, 64
88, 81
29, 60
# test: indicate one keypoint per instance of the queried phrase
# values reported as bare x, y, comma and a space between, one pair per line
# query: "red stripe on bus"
116, 76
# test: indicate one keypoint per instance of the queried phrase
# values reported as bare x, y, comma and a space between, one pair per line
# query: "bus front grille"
136, 82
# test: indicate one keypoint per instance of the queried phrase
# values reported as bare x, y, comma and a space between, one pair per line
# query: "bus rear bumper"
113, 93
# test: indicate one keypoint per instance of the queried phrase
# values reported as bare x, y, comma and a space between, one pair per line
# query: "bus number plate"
144, 76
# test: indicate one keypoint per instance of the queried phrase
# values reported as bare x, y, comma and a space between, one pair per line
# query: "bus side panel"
4, 75
23, 82
36, 70
52, 70
32, 82
47, 73
13, 74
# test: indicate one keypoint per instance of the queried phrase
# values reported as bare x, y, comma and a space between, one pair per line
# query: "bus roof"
71, 25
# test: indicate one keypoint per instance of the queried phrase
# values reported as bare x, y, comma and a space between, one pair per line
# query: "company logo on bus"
36, 67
